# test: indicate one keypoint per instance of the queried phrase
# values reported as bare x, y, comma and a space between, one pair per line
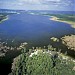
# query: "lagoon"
32, 28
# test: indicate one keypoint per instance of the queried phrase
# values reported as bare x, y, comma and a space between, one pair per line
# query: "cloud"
57, 2
37, 1
46, 2
30, 2
37, 4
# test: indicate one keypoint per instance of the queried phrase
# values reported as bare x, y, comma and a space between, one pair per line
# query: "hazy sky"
38, 4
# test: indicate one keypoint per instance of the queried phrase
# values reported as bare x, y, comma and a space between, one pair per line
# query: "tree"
43, 64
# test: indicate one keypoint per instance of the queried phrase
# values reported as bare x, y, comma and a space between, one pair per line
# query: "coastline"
69, 41
4, 19
54, 18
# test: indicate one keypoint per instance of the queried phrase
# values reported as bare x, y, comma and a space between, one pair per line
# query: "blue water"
52, 12
34, 29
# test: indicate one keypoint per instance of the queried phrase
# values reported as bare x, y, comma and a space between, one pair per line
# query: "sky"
60, 5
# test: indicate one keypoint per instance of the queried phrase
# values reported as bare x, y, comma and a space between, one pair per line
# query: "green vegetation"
54, 39
64, 17
3, 18
45, 62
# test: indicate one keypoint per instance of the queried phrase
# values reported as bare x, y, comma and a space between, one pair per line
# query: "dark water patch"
6, 62
60, 46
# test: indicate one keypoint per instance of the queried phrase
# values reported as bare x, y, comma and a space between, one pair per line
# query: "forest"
42, 61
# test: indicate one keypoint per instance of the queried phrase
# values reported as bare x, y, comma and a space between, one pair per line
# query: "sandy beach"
54, 18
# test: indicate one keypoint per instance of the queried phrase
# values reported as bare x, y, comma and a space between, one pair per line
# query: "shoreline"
54, 18
4, 19
69, 41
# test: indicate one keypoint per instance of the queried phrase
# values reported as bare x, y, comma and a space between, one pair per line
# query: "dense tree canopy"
43, 63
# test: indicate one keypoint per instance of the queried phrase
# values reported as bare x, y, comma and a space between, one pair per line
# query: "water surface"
34, 29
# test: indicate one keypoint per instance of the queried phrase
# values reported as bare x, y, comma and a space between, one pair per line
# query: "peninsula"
66, 18
3, 18
72, 23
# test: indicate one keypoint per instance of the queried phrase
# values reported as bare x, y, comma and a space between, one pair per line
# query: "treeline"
42, 62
